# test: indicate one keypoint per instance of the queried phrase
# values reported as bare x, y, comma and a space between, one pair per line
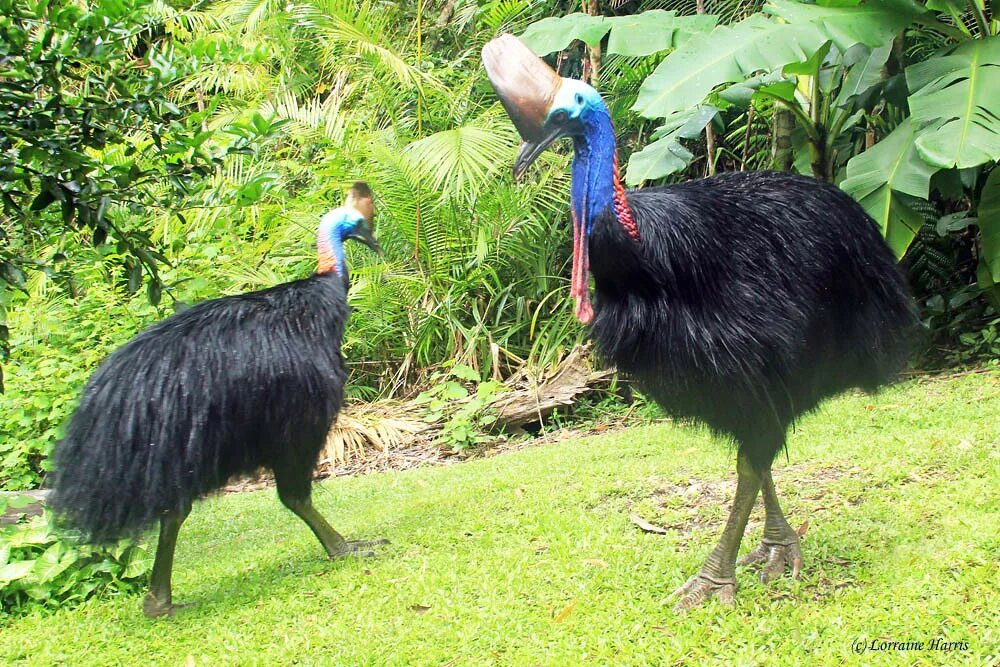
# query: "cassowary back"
750, 298
201, 397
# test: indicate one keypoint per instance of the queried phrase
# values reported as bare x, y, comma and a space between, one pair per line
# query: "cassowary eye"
559, 117
579, 99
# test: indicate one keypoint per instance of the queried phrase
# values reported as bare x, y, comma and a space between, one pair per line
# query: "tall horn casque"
525, 85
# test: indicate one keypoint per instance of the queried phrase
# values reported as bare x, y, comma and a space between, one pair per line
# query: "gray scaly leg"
158, 601
332, 541
717, 576
779, 547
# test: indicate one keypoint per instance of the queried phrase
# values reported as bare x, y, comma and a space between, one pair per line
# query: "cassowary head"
353, 221
543, 105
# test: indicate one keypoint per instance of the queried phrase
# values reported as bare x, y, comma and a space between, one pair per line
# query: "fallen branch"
33, 507
533, 403
372, 431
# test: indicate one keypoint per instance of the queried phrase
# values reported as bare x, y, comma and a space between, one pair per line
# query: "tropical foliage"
40, 569
189, 149
293, 102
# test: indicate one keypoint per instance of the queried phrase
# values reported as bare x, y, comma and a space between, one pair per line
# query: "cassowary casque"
741, 300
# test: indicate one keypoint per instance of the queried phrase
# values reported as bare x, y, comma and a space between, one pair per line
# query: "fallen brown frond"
366, 433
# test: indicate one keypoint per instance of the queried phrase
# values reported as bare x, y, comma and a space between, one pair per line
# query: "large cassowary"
741, 300
221, 389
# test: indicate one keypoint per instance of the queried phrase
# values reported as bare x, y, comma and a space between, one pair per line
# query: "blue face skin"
578, 112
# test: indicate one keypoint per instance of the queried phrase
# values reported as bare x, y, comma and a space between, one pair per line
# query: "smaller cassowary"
741, 301
221, 389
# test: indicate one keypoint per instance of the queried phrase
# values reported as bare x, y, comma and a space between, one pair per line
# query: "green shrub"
58, 342
466, 416
42, 570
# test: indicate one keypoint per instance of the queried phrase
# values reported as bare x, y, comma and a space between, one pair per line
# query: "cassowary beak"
530, 150
526, 87
363, 233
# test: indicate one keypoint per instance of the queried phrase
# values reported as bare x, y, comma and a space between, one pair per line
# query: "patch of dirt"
698, 505
263, 481
695, 506
424, 453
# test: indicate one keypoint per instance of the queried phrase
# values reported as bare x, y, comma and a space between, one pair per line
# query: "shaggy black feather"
217, 390
749, 299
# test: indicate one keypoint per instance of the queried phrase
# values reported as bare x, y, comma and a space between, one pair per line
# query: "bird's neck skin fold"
330, 244
592, 193
330, 256
597, 183
596, 189
594, 170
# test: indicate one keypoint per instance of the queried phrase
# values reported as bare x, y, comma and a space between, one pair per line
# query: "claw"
700, 588
775, 557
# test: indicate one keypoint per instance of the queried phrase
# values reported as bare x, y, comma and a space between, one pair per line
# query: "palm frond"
359, 29
457, 162
248, 15
324, 115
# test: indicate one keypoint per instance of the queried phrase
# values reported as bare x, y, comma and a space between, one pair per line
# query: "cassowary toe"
701, 587
776, 557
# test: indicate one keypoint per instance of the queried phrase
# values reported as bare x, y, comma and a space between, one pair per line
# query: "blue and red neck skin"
334, 227
592, 190
544, 107
596, 183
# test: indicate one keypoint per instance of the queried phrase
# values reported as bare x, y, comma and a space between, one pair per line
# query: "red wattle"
580, 279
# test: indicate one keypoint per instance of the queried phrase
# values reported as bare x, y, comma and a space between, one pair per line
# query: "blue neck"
330, 242
593, 168
338, 250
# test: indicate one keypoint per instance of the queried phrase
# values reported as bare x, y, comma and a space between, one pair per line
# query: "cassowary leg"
332, 541
158, 601
717, 576
779, 547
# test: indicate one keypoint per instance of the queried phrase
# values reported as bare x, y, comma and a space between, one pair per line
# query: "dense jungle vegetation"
158, 154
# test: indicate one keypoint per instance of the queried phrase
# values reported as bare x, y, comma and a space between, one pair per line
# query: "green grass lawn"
530, 557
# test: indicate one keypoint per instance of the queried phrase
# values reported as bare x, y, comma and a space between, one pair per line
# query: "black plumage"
741, 300
749, 298
218, 390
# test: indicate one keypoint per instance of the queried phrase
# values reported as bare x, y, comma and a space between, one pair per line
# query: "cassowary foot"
358, 548
155, 608
700, 588
776, 557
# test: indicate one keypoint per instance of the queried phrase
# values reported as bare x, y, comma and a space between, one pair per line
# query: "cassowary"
221, 389
740, 301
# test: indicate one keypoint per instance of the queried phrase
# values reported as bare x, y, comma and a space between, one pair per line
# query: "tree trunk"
446, 14
593, 52
709, 130
746, 139
782, 157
